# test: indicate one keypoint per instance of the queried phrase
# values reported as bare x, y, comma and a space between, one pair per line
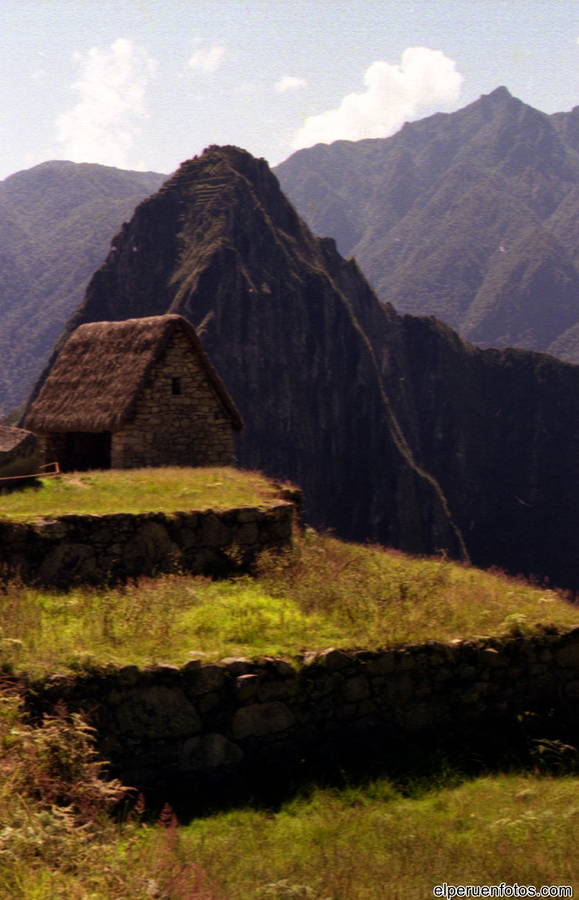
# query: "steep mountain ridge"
220, 244
427, 211
397, 429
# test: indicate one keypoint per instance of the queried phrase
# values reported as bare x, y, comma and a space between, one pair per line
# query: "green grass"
358, 842
364, 842
375, 843
138, 491
322, 593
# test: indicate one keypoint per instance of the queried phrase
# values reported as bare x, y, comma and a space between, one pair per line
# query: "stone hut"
18, 452
136, 393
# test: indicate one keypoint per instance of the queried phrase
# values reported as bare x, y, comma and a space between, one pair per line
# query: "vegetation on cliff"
286, 323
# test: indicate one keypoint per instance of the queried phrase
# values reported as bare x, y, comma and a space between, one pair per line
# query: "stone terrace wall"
92, 549
202, 723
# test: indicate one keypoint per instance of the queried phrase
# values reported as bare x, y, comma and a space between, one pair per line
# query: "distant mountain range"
472, 217
56, 223
398, 430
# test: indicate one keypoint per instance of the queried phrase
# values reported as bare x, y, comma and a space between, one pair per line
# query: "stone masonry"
93, 549
200, 723
189, 428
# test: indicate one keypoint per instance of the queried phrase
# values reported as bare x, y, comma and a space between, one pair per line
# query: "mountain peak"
216, 154
501, 93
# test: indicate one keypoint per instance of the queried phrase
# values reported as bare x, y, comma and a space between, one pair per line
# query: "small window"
176, 387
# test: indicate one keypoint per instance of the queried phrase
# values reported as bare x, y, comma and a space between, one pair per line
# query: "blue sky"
146, 84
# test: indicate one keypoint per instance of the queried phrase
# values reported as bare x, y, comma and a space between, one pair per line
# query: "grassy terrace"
380, 839
323, 593
138, 491
358, 842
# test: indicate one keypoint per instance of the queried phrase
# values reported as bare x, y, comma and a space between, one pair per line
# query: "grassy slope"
324, 593
376, 843
137, 491
358, 843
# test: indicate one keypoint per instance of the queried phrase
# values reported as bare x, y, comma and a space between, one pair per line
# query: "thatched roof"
18, 452
11, 438
97, 377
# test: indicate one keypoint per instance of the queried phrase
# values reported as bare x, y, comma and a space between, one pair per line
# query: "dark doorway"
84, 451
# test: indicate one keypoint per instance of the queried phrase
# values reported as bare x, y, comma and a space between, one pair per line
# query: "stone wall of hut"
52, 448
189, 428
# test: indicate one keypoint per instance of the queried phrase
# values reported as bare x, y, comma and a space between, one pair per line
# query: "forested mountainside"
471, 216
56, 223
398, 430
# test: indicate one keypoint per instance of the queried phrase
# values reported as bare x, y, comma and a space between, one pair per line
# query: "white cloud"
102, 126
207, 59
245, 88
393, 94
38, 75
289, 83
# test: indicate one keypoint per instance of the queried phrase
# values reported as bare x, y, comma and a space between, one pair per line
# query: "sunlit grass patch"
137, 491
168, 619
321, 593
372, 842
241, 617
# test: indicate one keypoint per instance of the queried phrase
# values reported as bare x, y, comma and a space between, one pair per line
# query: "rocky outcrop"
286, 323
397, 430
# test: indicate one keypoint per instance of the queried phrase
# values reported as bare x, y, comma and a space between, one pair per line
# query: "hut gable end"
179, 415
